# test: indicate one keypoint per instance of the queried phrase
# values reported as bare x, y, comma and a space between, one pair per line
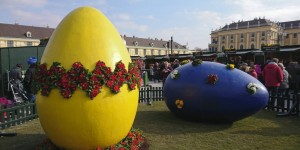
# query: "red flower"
212, 78
94, 93
113, 77
121, 65
100, 64
130, 135
66, 93
45, 92
98, 71
116, 88
119, 73
84, 85
132, 86
91, 82
110, 83
77, 65
94, 78
134, 147
135, 142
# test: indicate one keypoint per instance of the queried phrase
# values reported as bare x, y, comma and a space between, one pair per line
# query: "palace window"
295, 35
252, 34
145, 52
28, 34
223, 47
242, 35
252, 46
136, 51
241, 46
29, 43
263, 33
10, 43
231, 36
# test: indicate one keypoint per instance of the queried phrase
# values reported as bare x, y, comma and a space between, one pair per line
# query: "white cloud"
131, 26
124, 17
275, 10
28, 18
150, 17
22, 3
204, 20
125, 23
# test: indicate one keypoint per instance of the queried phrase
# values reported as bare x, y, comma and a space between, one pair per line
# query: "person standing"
293, 69
252, 71
29, 77
16, 73
273, 76
284, 85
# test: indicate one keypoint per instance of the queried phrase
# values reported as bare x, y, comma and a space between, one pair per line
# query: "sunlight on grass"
263, 130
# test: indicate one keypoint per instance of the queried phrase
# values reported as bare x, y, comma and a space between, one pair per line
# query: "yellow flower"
230, 66
179, 103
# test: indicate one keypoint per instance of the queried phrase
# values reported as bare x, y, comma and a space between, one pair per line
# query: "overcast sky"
188, 21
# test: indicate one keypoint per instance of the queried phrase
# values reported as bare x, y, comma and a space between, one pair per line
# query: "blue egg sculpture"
213, 92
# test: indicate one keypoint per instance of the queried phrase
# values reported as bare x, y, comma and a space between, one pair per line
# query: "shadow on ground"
165, 123
21, 141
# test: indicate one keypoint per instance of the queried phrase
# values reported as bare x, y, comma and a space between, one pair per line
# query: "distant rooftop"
23, 31
149, 42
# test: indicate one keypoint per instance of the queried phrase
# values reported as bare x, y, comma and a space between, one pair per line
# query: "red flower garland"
79, 76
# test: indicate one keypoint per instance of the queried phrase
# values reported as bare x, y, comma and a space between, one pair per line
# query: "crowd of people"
23, 83
159, 71
277, 76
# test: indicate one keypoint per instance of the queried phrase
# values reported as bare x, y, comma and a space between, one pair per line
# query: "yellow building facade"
153, 47
14, 35
253, 34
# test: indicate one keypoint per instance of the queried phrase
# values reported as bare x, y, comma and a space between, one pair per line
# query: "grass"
163, 130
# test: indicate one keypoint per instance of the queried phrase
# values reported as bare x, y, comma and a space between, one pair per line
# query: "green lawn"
261, 131
164, 131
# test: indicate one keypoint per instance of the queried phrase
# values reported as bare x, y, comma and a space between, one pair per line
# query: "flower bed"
133, 141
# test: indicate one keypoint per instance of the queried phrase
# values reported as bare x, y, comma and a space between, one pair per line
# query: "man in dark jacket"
29, 77
16, 73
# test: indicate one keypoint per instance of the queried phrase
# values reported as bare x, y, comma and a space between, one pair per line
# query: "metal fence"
284, 105
148, 94
18, 114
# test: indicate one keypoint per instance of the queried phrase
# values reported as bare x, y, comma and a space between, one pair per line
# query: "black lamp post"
171, 44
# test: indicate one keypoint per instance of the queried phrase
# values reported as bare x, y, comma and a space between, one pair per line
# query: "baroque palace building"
253, 34
149, 47
15, 35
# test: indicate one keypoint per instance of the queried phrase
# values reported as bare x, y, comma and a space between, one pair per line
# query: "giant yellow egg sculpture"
86, 36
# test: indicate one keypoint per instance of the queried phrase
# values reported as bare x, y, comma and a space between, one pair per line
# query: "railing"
284, 105
18, 114
148, 94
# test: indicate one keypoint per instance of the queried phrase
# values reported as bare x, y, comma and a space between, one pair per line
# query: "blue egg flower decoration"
213, 92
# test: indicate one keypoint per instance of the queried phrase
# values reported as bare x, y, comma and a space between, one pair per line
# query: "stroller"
18, 93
